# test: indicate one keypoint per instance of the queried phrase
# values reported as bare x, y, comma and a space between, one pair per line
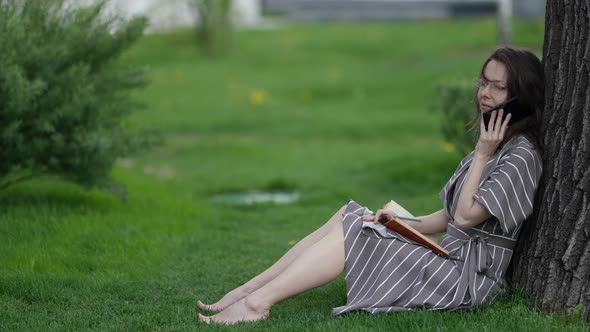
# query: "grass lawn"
332, 111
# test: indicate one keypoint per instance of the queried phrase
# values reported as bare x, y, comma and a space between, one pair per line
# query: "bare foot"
229, 299
208, 307
242, 311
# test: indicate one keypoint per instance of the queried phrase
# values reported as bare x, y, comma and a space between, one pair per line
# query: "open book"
407, 230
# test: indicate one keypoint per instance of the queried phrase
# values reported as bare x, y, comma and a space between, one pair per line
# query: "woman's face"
492, 86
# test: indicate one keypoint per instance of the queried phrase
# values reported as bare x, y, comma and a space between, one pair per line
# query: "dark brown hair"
525, 81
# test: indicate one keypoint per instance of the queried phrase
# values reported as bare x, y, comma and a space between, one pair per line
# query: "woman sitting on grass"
485, 203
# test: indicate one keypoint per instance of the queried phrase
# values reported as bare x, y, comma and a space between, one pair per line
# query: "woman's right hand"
491, 137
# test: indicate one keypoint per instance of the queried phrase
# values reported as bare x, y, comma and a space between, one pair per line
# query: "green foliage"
214, 27
455, 101
62, 96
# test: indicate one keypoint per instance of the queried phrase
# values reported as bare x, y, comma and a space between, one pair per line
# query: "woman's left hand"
491, 137
378, 215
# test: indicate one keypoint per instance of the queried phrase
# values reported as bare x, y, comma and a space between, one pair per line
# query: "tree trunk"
552, 260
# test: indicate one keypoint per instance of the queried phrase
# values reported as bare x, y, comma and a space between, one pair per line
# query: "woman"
485, 203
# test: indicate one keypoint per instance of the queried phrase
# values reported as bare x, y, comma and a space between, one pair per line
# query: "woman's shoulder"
522, 144
523, 149
525, 141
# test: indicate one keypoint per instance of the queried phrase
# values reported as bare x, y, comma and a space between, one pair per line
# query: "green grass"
332, 111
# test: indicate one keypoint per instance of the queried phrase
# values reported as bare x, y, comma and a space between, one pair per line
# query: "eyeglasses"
496, 87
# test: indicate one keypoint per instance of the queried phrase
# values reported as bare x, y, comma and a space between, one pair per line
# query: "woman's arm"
470, 212
431, 224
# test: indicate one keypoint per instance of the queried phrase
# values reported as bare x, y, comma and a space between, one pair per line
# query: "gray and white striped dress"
385, 271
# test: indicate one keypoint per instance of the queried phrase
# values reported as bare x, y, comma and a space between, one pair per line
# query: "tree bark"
552, 260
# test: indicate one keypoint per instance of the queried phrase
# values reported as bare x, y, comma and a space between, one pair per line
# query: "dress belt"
478, 258
480, 240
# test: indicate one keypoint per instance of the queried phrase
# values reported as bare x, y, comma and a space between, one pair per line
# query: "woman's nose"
485, 91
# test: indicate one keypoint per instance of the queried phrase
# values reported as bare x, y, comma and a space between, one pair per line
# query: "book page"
398, 209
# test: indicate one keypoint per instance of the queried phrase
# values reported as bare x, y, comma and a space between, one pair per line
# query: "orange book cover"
412, 234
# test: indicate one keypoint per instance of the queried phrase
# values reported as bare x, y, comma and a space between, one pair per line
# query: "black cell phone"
511, 106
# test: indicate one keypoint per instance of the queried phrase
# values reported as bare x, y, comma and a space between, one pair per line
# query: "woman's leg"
266, 276
318, 265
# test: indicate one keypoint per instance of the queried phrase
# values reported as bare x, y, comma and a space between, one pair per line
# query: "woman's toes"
207, 307
201, 305
203, 318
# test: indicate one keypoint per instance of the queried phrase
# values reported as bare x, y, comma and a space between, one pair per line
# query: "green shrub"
63, 98
455, 101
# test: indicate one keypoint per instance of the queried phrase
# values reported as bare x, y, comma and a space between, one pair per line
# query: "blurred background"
174, 14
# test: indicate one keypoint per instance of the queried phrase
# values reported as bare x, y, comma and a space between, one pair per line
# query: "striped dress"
385, 271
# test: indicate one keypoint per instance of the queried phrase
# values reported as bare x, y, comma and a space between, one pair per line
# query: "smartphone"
511, 106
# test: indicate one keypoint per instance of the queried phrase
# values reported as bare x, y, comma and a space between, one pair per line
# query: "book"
408, 231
